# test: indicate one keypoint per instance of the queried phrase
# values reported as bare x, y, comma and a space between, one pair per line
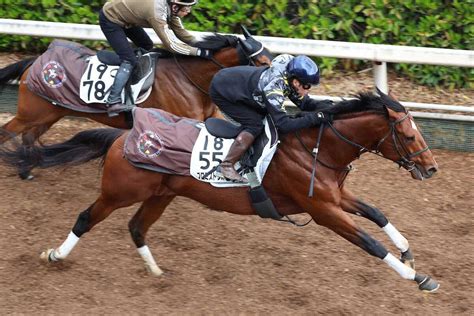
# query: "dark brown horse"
369, 123
180, 87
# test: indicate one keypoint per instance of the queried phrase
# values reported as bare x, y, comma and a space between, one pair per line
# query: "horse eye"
410, 139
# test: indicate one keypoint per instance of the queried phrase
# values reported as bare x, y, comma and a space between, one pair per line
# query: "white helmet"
184, 2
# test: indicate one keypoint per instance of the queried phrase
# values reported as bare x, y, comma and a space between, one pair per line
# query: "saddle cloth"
70, 75
163, 142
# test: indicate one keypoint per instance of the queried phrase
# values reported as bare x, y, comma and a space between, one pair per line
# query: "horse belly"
232, 200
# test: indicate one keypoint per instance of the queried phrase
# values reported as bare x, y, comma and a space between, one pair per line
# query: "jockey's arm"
170, 40
274, 97
177, 26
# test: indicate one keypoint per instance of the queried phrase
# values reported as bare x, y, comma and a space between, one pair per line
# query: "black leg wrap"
262, 204
372, 213
137, 236
82, 223
372, 246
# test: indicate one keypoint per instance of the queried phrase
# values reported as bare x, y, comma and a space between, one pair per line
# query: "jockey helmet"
304, 69
184, 2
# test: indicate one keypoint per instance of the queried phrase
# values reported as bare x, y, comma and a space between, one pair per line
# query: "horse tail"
14, 71
81, 148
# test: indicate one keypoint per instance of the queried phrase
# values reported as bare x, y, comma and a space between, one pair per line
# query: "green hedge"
427, 23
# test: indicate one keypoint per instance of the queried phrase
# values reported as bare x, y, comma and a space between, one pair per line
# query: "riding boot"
115, 104
237, 149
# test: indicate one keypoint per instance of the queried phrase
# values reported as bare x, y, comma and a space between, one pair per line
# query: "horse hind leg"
12, 128
149, 212
343, 225
352, 205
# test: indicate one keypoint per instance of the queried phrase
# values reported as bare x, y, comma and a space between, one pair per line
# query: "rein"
249, 57
189, 78
404, 160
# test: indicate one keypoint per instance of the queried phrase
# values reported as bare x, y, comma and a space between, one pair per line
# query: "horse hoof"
26, 176
426, 283
46, 255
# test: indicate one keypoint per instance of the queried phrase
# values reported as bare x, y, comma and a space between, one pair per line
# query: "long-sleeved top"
264, 88
157, 15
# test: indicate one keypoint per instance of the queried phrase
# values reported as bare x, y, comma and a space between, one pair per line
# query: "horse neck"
199, 71
365, 129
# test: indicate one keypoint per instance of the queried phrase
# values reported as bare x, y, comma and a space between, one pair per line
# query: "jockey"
247, 94
120, 19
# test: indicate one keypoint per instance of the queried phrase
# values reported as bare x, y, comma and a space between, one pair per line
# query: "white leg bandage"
150, 263
400, 242
63, 251
405, 272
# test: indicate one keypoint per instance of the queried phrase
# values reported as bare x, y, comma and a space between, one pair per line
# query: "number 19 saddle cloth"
163, 142
71, 75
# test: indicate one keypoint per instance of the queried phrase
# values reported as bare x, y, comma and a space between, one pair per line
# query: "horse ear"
245, 32
246, 46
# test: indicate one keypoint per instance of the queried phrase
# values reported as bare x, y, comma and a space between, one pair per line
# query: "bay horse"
369, 123
180, 87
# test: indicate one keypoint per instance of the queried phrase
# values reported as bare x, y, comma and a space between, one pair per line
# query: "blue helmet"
304, 69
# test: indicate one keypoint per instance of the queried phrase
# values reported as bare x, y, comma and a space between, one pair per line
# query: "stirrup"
238, 178
117, 108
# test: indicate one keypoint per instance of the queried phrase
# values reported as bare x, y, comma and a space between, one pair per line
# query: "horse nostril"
432, 170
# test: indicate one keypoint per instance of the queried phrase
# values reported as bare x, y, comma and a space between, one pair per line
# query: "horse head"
252, 51
381, 125
231, 50
404, 143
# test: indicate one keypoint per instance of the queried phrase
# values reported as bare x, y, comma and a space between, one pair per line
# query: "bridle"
404, 154
249, 58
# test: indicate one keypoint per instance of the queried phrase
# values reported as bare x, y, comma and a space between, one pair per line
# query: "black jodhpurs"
247, 115
117, 38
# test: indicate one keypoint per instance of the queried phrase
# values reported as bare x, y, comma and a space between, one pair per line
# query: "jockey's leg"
337, 220
148, 213
353, 205
117, 38
115, 104
240, 145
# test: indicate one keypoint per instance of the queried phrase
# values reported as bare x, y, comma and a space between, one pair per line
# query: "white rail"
379, 54
440, 116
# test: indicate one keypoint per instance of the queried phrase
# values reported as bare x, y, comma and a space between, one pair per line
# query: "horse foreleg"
353, 205
148, 213
335, 219
87, 219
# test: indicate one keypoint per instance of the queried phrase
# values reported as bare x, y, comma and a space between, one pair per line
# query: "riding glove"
204, 53
318, 118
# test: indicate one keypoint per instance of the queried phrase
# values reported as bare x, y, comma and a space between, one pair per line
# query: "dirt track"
221, 263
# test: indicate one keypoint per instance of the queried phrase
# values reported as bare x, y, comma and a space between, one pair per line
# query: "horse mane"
366, 101
217, 41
